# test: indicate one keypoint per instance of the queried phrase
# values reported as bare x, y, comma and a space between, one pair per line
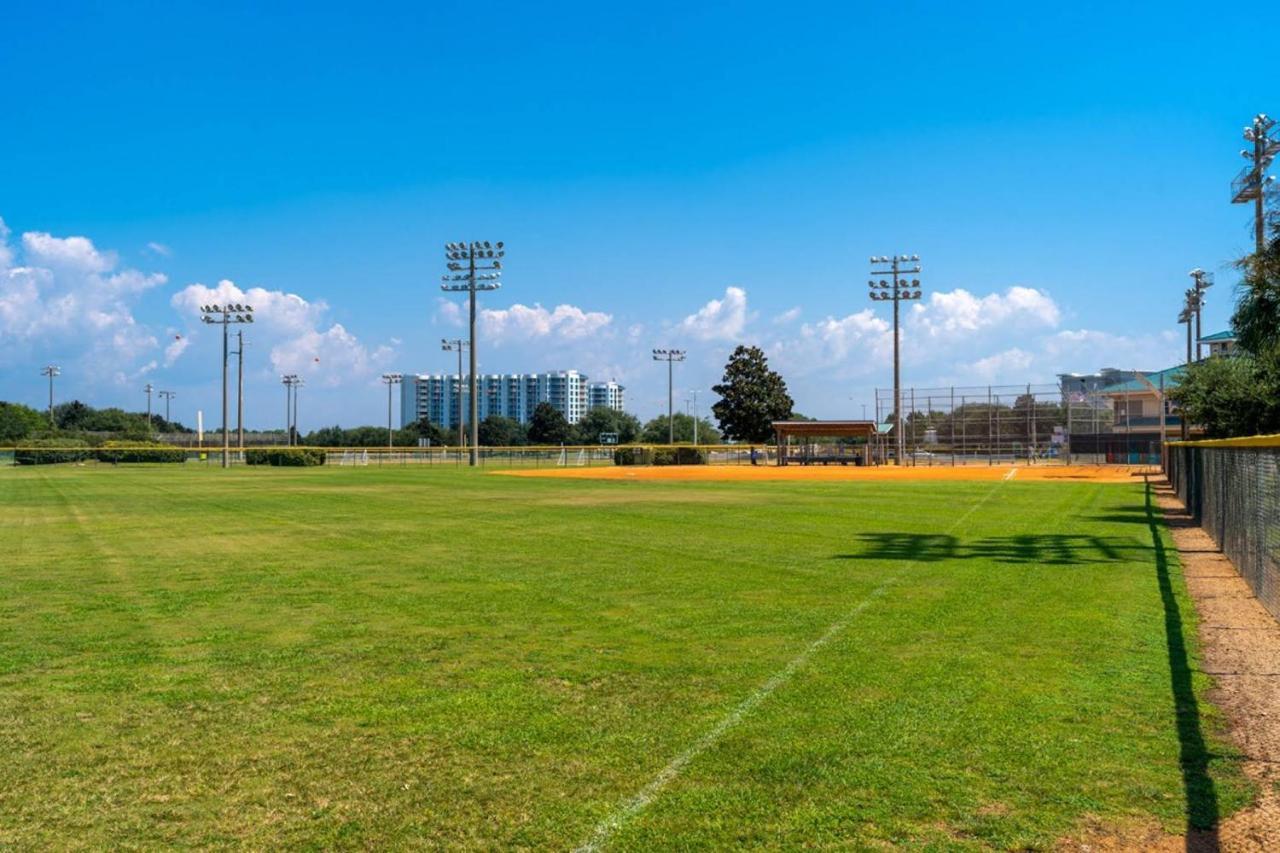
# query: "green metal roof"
1169, 376
1220, 336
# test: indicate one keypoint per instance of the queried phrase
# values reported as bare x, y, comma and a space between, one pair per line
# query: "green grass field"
374, 658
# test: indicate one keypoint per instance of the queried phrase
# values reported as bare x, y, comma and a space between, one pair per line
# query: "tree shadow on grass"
1194, 756
1054, 549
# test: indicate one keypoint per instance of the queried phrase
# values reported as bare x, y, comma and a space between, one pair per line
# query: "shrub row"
52, 451
659, 456
298, 457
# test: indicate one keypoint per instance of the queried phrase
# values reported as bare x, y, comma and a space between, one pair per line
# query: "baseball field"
364, 657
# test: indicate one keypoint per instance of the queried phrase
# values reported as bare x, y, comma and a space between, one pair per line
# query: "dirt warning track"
841, 473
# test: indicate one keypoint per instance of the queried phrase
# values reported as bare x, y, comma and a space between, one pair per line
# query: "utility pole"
1187, 315
149, 389
392, 380
457, 345
167, 396
1203, 281
292, 382
240, 389
470, 277
896, 290
1253, 183
226, 315
51, 371
670, 356
693, 401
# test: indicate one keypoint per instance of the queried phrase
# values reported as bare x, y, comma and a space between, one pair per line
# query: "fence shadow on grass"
1053, 549
1194, 756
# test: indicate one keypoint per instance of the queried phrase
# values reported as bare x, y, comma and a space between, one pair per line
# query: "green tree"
603, 419
1231, 396
498, 431
656, 432
752, 397
1240, 395
548, 426
19, 422
1256, 320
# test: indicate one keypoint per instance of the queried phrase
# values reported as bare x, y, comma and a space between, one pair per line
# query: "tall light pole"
225, 316
392, 380
670, 356
457, 345
693, 403
1203, 281
1252, 183
240, 389
167, 396
149, 389
1187, 315
896, 290
292, 382
51, 371
473, 266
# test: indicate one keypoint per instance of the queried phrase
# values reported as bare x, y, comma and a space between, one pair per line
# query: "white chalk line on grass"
646, 795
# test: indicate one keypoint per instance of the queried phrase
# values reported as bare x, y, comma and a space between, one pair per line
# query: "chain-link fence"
1232, 489
1020, 424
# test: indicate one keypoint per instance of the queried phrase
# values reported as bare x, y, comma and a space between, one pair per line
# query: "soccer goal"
354, 457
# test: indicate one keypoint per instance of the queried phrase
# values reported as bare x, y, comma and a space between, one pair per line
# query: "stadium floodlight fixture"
292, 382
1251, 184
167, 396
392, 379
897, 287
225, 316
1203, 281
670, 356
458, 345
481, 271
51, 370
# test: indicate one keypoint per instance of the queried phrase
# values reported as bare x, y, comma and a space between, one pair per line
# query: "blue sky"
662, 176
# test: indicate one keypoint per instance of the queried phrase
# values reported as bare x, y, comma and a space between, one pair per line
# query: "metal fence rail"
1232, 489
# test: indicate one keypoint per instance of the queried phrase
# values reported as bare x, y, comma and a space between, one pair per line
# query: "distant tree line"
76, 420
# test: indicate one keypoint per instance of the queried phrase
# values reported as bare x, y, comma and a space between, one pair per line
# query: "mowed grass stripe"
371, 657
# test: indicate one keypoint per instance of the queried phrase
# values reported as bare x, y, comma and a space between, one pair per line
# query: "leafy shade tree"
752, 397
497, 431
1240, 395
1231, 396
1257, 316
656, 432
548, 426
19, 422
603, 419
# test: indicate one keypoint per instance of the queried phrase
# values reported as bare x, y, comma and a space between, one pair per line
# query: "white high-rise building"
511, 395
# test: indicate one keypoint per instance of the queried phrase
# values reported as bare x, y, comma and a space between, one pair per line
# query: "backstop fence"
1020, 424
1232, 489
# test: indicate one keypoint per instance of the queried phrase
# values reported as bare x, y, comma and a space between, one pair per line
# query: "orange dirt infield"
763, 473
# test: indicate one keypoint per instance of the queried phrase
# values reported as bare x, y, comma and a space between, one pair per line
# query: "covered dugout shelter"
806, 451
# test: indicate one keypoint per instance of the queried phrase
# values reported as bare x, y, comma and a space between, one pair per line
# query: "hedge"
296, 457
51, 451
659, 456
131, 452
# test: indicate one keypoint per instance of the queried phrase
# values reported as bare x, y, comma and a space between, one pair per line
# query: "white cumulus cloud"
293, 331
68, 295
525, 322
720, 319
